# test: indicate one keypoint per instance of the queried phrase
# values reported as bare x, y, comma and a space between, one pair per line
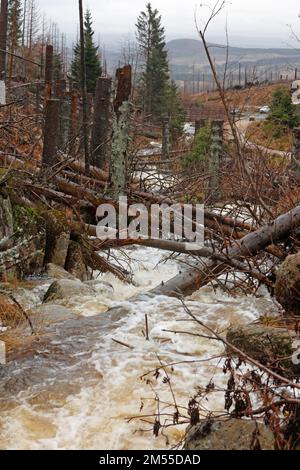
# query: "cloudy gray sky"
257, 21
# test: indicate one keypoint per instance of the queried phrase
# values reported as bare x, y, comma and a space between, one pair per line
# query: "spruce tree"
92, 59
158, 95
154, 80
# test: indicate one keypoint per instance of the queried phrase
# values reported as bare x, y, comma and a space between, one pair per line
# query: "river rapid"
79, 389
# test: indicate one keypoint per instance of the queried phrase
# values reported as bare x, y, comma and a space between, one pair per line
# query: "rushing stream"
79, 388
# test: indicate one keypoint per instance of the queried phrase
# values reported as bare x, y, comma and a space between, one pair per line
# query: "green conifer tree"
92, 58
154, 79
158, 95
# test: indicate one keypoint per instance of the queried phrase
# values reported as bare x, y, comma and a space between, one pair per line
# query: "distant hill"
192, 51
187, 58
188, 54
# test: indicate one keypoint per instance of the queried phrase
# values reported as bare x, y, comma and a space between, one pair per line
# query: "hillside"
247, 99
187, 57
191, 51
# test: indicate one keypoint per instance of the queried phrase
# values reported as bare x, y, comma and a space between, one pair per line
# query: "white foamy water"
93, 411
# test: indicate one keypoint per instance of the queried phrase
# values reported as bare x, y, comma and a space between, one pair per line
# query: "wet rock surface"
75, 263
65, 289
269, 345
57, 272
62, 345
232, 434
287, 287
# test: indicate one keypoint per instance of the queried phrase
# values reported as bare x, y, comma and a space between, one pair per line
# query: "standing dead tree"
3, 37
48, 71
118, 163
83, 89
51, 130
101, 124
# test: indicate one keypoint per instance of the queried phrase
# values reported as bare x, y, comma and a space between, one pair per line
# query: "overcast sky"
255, 20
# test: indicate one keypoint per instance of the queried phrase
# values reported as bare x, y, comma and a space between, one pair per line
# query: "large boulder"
67, 289
233, 434
269, 345
56, 272
75, 262
57, 239
51, 313
101, 287
287, 287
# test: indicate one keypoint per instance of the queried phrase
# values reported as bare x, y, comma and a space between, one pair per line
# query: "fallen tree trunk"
191, 280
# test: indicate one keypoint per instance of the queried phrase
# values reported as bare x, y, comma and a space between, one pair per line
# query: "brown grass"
10, 314
251, 97
260, 135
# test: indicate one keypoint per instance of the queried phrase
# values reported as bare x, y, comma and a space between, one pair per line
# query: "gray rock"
266, 344
100, 286
60, 250
75, 262
56, 272
287, 287
233, 434
53, 312
57, 239
67, 289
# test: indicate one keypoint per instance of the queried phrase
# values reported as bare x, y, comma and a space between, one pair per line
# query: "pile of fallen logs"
62, 185
231, 244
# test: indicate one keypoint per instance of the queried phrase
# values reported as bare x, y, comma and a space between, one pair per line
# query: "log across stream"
76, 387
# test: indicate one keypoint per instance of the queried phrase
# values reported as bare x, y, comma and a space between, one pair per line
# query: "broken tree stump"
118, 163
51, 128
3, 37
100, 148
213, 184
74, 125
48, 72
166, 138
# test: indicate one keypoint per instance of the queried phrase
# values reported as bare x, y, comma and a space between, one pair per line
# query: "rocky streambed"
76, 383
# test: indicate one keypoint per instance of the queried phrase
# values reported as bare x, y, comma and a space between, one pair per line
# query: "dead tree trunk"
191, 280
166, 140
48, 71
51, 129
118, 163
83, 89
213, 186
64, 115
74, 123
199, 124
3, 37
101, 125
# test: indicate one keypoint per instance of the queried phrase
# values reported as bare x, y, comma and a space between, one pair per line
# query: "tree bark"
3, 37
48, 72
51, 129
118, 164
84, 90
101, 125
191, 280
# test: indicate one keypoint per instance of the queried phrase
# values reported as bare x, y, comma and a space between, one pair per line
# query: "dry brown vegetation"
259, 133
249, 98
10, 314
